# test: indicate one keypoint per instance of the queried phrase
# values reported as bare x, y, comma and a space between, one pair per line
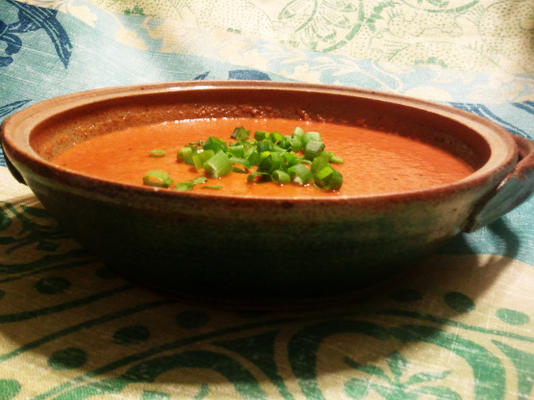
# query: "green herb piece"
319, 162
157, 153
184, 186
258, 177
260, 135
200, 179
328, 179
276, 137
336, 160
280, 176
309, 136
298, 132
219, 165
265, 145
240, 133
252, 156
188, 185
300, 174
212, 187
237, 151
215, 144
298, 158
186, 154
313, 149
296, 144
200, 158
333, 158
157, 178
291, 159
241, 161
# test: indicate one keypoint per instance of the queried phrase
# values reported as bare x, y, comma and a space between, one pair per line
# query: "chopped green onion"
253, 158
336, 160
319, 162
240, 133
200, 158
328, 179
212, 187
188, 185
276, 137
300, 174
270, 161
298, 158
184, 186
258, 177
280, 176
309, 136
333, 158
296, 144
157, 153
157, 178
237, 151
260, 135
324, 173
298, 132
313, 149
291, 159
215, 144
265, 145
241, 161
200, 179
217, 166
186, 154
285, 143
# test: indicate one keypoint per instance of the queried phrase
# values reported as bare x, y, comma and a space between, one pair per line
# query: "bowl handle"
16, 174
510, 193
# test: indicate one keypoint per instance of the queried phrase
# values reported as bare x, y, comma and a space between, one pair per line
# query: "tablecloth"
459, 325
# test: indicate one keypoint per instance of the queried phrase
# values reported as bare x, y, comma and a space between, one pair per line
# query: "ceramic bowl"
204, 244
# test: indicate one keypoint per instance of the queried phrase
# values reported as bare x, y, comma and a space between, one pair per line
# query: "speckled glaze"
206, 244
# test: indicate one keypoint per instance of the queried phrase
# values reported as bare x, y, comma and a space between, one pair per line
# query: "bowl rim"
16, 129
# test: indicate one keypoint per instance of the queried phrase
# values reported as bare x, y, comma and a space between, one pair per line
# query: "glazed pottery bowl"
208, 244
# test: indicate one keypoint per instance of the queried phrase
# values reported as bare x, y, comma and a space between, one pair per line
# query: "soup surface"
374, 162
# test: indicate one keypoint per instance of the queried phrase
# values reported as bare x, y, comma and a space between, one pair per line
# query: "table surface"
460, 325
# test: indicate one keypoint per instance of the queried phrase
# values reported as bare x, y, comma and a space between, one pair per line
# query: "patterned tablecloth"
458, 326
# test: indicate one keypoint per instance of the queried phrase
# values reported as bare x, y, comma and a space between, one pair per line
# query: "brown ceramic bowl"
187, 242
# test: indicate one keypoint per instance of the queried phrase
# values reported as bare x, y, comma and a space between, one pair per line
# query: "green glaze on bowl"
207, 244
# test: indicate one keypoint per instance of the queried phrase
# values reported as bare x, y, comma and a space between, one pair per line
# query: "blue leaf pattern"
484, 111
32, 18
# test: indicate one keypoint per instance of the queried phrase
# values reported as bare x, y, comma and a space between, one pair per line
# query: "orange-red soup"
375, 162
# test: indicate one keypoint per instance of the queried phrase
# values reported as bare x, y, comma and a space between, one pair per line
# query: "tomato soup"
374, 162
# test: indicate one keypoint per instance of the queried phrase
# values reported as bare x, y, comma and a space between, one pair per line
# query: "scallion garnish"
218, 166
157, 178
240, 133
200, 158
300, 174
280, 176
216, 187
313, 149
188, 185
157, 153
299, 158
186, 154
184, 186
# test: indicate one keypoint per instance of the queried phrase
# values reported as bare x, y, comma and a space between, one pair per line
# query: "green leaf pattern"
400, 387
